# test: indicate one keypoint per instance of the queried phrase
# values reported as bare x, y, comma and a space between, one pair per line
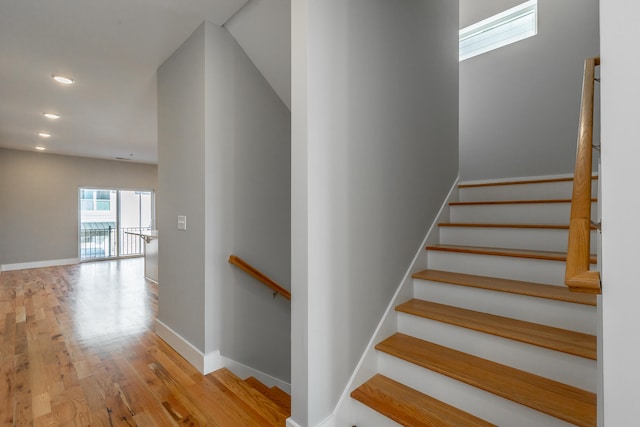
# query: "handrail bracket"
260, 276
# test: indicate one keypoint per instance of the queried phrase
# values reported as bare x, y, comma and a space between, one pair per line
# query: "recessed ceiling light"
40, 148
63, 79
52, 116
44, 134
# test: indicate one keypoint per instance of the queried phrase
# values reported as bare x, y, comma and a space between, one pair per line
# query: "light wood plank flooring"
77, 348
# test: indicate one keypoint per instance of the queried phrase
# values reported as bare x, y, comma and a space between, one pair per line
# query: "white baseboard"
207, 363
38, 264
244, 371
327, 422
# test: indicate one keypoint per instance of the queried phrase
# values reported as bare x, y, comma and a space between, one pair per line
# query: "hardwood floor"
77, 348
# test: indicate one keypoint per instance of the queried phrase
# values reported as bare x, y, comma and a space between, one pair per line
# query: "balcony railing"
103, 243
130, 244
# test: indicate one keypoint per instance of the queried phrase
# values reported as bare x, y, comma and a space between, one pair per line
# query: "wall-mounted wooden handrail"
257, 274
578, 277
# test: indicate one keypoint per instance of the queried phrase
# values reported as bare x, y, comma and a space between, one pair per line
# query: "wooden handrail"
578, 277
257, 274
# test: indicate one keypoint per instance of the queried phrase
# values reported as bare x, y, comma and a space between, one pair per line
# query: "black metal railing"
103, 243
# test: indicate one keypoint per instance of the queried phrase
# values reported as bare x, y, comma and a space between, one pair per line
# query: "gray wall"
181, 190
263, 30
375, 151
39, 200
475, 11
519, 104
224, 151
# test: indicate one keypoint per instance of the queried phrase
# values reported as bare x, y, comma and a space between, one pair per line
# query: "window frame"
498, 21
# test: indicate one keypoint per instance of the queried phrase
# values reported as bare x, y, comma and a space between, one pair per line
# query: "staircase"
248, 402
491, 336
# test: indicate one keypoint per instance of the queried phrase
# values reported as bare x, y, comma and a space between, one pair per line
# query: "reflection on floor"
77, 348
112, 299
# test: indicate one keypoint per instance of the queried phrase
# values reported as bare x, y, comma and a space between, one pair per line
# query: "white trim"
38, 264
518, 179
330, 421
212, 362
327, 422
207, 363
489, 22
367, 365
244, 371
498, 30
203, 363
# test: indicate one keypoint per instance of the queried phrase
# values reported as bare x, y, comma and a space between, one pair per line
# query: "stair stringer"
368, 365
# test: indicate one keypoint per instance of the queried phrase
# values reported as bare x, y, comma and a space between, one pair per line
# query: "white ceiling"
112, 49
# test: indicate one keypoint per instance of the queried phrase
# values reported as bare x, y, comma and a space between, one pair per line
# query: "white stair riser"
536, 239
568, 369
528, 270
573, 370
482, 404
519, 213
553, 190
574, 317
365, 416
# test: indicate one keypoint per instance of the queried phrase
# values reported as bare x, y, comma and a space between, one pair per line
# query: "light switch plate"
182, 222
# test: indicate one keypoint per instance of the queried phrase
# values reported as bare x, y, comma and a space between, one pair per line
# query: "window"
111, 221
510, 26
95, 200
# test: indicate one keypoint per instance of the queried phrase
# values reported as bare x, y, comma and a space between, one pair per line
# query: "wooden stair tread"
558, 293
257, 384
570, 342
559, 400
496, 225
513, 202
410, 407
281, 397
275, 394
518, 182
272, 413
517, 253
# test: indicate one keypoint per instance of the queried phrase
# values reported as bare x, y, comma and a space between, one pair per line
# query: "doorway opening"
108, 216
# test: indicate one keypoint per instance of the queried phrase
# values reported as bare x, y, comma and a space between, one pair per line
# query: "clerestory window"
510, 26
